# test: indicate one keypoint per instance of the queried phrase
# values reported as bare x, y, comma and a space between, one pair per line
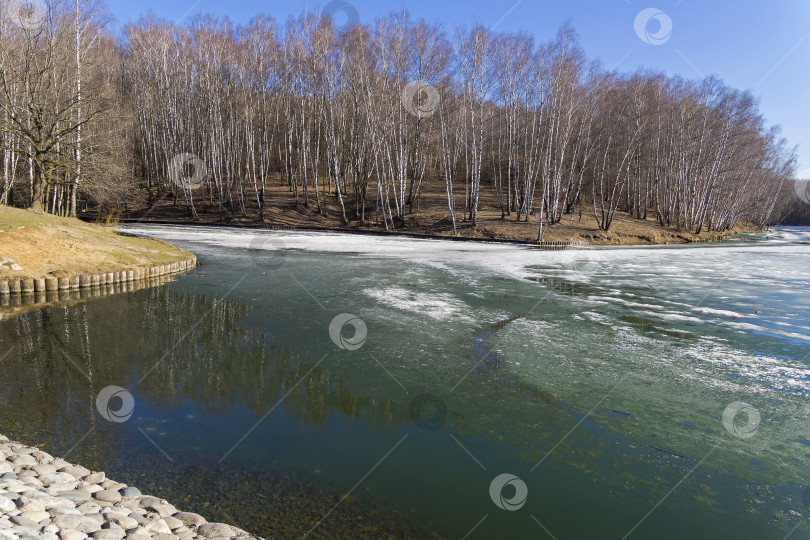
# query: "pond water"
345, 386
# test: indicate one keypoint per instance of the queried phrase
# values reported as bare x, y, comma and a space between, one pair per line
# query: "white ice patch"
438, 306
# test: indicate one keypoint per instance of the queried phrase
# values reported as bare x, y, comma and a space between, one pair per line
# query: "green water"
598, 378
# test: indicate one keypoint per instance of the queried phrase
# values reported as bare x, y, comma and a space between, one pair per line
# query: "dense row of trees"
63, 124
368, 117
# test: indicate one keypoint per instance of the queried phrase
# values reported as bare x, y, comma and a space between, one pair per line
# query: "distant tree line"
364, 117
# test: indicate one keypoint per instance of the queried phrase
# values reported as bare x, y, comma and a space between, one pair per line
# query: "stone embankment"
47, 498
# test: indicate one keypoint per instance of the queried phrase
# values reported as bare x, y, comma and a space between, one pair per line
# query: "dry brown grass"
45, 245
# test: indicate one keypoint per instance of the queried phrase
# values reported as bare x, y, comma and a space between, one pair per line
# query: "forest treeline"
363, 118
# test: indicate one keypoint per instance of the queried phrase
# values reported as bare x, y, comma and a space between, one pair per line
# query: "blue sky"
762, 46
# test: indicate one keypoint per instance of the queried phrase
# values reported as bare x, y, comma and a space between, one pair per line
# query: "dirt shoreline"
550, 241
429, 219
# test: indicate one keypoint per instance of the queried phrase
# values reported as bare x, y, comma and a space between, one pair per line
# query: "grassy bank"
40, 245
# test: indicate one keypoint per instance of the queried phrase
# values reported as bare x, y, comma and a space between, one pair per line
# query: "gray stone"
163, 509
158, 527
108, 534
125, 522
131, 504
190, 518
44, 469
173, 522
115, 510
109, 495
214, 530
26, 504
71, 534
139, 519
75, 471
88, 508
57, 502
130, 492
24, 522
165, 537
77, 495
64, 511
23, 460
6, 505
147, 501
58, 487
42, 457
36, 516
50, 529
32, 481
5, 468
94, 478
77, 523
98, 518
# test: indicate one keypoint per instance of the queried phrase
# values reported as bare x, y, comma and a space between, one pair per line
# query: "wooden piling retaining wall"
556, 246
21, 292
